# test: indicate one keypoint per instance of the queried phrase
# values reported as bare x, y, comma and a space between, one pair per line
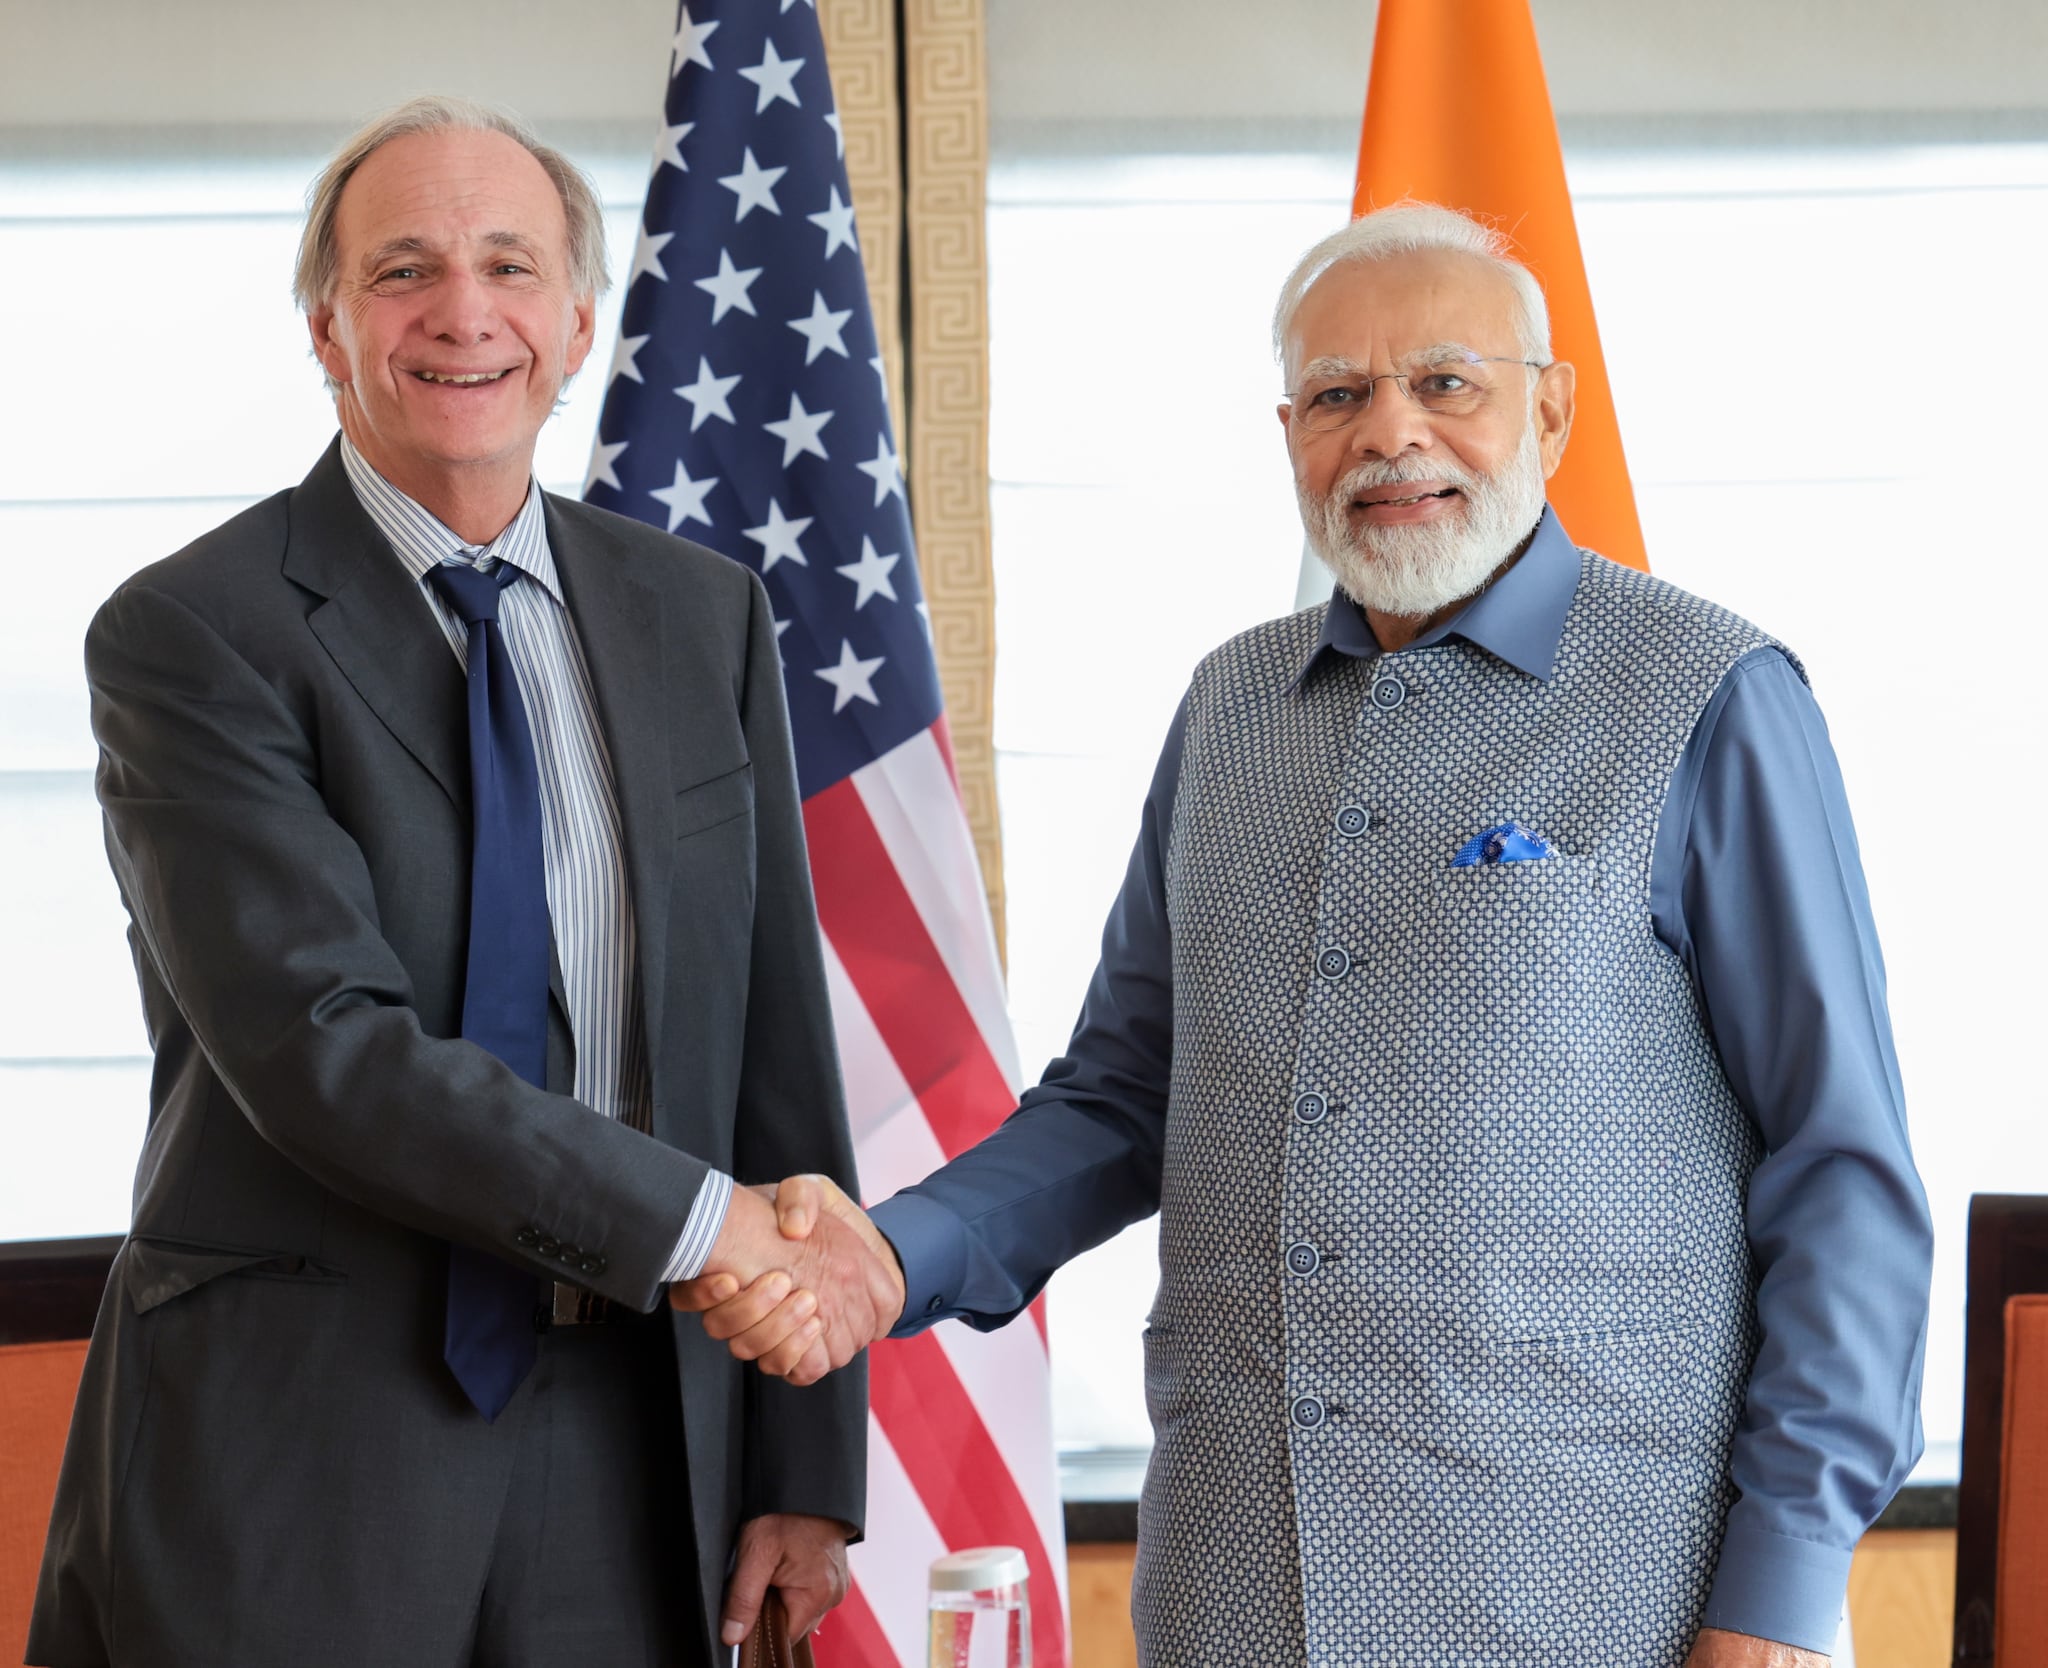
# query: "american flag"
746, 410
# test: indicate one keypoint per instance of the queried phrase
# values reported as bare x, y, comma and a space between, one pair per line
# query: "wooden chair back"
2002, 1504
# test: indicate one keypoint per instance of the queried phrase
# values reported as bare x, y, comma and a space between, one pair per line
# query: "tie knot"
473, 595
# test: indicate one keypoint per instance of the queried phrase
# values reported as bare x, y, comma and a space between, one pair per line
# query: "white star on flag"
602, 457
853, 678
798, 432
647, 256
707, 395
822, 329
764, 175
870, 575
623, 357
754, 186
775, 78
688, 46
669, 150
777, 538
684, 498
728, 287
885, 470
836, 218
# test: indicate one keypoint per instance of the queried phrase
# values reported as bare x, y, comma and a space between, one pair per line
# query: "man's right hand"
801, 1288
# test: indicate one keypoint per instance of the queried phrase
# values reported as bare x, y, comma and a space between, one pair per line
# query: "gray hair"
319, 260
1409, 228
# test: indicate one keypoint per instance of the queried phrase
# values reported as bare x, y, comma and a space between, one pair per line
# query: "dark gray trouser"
594, 1561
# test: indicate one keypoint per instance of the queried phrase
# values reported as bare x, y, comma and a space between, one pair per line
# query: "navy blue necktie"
489, 1342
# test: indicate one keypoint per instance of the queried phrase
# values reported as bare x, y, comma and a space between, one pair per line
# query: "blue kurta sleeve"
1756, 883
1079, 1159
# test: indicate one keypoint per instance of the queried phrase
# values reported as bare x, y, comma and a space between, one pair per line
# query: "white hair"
1410, 228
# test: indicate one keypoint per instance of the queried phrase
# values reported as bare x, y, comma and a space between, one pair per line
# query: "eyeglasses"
1456, 385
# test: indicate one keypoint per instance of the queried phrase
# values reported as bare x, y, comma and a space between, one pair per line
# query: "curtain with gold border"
911, 80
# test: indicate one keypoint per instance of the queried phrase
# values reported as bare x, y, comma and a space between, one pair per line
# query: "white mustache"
1395, 472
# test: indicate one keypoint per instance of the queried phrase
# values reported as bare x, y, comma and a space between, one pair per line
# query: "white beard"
1416, 569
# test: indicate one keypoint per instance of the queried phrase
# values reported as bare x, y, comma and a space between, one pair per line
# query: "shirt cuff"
1777, 1587
931, 1245
700, 1232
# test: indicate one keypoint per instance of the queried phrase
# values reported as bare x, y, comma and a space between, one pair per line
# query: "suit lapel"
620, 624
376, 625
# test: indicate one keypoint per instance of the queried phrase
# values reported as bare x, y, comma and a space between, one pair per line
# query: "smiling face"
1415, 508
453, 321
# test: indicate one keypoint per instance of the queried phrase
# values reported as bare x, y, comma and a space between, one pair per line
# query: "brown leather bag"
769, 1645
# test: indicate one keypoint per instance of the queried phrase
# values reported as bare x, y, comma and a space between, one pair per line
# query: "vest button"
1333, 964
1307, 1412
1389, 693
1303, 1259
1311, 1108
1351, 822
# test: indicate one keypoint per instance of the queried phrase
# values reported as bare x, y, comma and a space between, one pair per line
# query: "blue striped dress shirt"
583, 847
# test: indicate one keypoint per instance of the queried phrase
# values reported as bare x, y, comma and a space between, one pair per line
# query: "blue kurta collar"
1518, 618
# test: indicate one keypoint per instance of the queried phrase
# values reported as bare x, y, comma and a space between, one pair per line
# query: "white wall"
99, 63
95, 63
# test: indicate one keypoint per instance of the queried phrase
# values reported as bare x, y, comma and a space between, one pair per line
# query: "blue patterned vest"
1455, 1311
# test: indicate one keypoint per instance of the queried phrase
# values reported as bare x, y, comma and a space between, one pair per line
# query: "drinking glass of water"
981, 1609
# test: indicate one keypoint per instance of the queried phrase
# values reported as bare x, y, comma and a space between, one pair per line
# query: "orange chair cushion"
38, 1384
2022, 1619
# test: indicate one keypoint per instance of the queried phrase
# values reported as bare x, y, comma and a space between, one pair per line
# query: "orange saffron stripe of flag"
1458, 112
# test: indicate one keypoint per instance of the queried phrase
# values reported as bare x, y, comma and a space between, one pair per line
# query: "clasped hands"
799, 1281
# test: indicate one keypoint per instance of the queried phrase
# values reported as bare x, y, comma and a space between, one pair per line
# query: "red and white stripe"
960, 1432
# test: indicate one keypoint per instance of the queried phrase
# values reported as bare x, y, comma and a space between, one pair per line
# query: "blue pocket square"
1507, 842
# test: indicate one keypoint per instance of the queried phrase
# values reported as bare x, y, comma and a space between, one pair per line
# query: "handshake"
799, 1280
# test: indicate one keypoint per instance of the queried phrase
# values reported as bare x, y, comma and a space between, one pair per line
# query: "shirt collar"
423, 541
1519, 617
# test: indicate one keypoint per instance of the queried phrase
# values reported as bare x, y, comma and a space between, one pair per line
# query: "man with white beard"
1494, 1013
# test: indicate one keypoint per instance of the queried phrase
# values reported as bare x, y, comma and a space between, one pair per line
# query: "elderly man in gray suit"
1493, 1011
459, 834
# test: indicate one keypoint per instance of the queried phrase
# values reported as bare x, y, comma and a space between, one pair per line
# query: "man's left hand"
802, 1557
1717, 1648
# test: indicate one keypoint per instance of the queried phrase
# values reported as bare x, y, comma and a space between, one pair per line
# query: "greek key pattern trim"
946, 109
860, 45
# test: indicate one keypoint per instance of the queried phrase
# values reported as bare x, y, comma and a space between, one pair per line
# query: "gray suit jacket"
266, 1432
